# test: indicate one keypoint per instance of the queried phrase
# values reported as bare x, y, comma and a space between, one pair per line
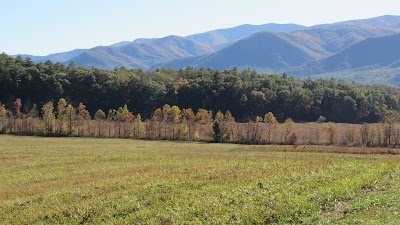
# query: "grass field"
103, 181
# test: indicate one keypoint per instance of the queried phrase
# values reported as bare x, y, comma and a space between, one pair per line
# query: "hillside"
267, 51
141, 55
387, 21
146, 53
275, 52
220, 38
375, 60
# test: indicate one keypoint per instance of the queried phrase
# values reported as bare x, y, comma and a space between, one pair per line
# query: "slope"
221, 37
266, 51
372, 60
141, 55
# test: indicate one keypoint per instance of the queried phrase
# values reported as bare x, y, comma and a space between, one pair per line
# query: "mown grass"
103, 181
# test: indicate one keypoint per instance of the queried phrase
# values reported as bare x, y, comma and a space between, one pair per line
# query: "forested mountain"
282, 52
143, 55
387, 21
246, 94
368, 59
373, 52
267, 51
300, 52
222, 37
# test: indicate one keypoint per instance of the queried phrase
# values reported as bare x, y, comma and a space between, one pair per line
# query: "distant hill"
141, 55
266, 51
361, 61
280, 52
145, 53
220, 38
56, 57
331, 40
388, 21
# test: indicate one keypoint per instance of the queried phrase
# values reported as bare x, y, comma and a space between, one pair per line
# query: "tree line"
246, 94
173, 123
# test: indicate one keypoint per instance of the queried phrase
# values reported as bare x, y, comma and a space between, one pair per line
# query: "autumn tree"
61, 114
48, 117
331, 130
219, 116
203, 117
127, 119
83, 116
165, 116
70, 115
111, 114
272, 123
229, 120
17, 113
139, 127
188, 118
3, 116
174, 117
157, 117
288, 126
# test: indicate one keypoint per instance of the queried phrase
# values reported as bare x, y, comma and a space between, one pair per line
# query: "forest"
245, 94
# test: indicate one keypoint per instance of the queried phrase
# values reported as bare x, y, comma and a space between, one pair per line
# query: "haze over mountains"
350, 50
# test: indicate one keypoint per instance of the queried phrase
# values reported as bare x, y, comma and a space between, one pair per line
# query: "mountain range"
351, 50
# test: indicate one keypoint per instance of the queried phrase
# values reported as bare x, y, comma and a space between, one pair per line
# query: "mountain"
57, 57
367, 60
141, 55
280, 52
266, 51
220, 38
146, 53
332, 40
136, 41
388, 21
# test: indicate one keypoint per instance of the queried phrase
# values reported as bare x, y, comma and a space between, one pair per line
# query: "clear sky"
41, 27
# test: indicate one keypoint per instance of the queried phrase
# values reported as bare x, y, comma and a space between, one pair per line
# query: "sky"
41, 27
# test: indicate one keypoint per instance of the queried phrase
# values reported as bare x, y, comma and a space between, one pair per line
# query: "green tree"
100, 116
217, 133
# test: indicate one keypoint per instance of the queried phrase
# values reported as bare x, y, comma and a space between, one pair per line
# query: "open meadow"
124, 181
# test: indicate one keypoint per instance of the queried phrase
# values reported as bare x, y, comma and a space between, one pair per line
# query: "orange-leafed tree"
83, 116
157, 117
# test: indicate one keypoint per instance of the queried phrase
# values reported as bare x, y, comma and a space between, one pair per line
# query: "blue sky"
41, 27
